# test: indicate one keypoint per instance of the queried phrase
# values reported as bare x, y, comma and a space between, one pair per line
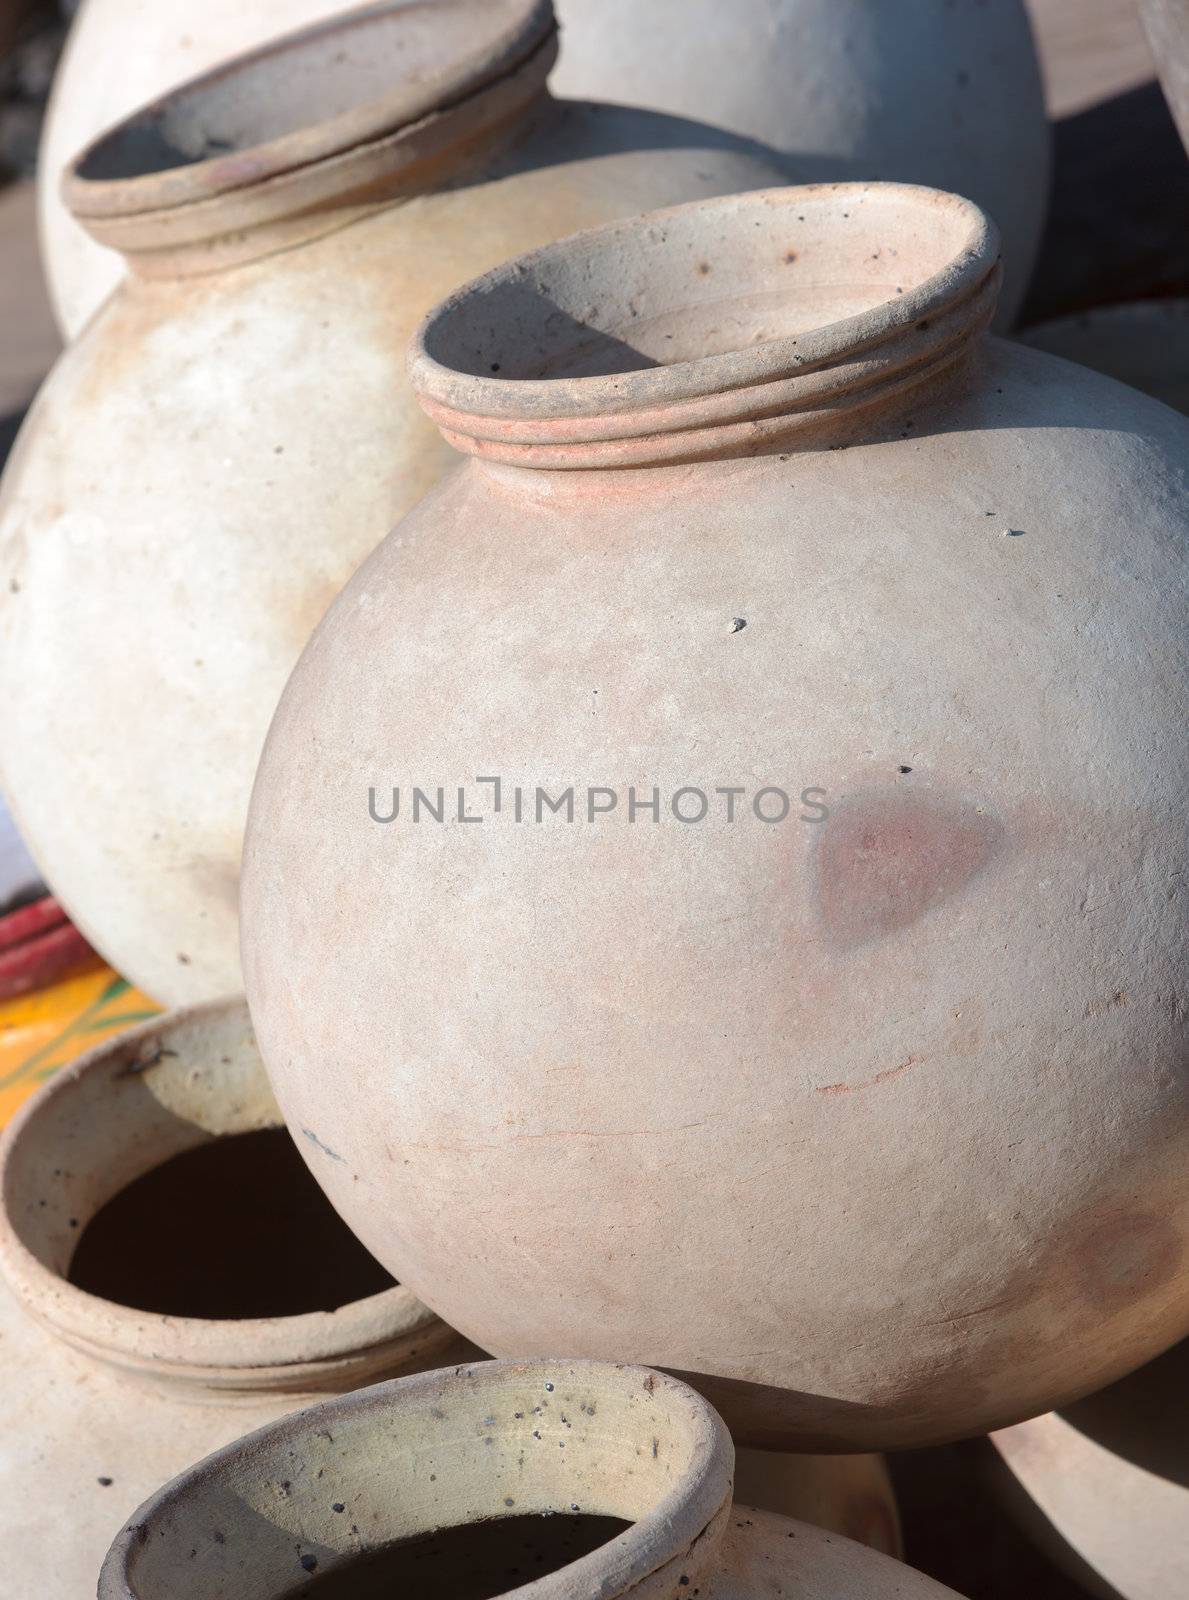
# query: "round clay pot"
103, 1399
209, 463
119, 55
829, 1099
1145, 345
943, 94
584, 1479
947, 94
1103, 1486
1167, 25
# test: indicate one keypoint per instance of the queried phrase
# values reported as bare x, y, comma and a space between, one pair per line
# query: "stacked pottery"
808, 669
561, 1479
129, 1349
1103, 1485
112, 1383
948, 95
210, 461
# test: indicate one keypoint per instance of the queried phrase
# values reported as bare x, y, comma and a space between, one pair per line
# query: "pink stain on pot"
886, 858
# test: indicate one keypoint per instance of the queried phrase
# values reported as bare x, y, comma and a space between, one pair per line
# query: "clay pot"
845, 88
1145, 345
119, 55
102, 1399
823, 1092
949, 95
1103, 1486
212, 460
594, 1480
1166, 23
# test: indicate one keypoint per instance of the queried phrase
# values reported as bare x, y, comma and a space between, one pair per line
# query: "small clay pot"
553, 1479
1167, 25
234, 432
1103, 1485
793, 681
102, 1401
1145, 344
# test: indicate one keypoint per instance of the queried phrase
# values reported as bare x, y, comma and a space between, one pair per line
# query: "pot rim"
693, 1513
721, 402
516, 38
202, 1358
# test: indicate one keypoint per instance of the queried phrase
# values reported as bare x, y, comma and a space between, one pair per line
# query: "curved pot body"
210, 462
924, 92
596, 1480
1103, 1485
803, 1059
1167, 26
102, 1399
1145, 344
119, 55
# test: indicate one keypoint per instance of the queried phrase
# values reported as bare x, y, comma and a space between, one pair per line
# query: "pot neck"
778, 320
289, 142
451, 1449
158, 1092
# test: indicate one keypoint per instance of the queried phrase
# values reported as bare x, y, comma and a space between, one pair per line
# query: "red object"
38, 945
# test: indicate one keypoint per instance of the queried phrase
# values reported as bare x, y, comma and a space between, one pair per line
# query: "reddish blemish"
886, 858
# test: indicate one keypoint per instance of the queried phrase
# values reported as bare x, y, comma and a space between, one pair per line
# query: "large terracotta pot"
1103, 1486
210, 462
103, 1399
580, 1478
929, 92
1145, 344
1167, 26
862, 1100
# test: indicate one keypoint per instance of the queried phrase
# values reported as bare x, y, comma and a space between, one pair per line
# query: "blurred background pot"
165, 1294
1145, 344
596, 1480
825, 1095
943, 92
1103, 1485
209, 463
1167, 25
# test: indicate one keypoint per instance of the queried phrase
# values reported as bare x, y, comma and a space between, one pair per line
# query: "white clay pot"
920, 91
102, 1402
810, 1076
210, 462
1145, 344
494, 1474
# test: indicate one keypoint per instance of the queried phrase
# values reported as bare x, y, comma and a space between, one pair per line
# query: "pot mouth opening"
312, 95
544, 1477
688, 331
155, 1214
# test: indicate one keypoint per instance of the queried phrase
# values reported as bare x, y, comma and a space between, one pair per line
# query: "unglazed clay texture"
929, 91
874, 1123
121, 54
209, 463
465, 1446
942, 92
1104, 1485
102, 1402
1145, 344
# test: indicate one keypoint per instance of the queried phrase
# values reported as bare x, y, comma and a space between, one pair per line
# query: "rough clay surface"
202, 472
877, 1124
